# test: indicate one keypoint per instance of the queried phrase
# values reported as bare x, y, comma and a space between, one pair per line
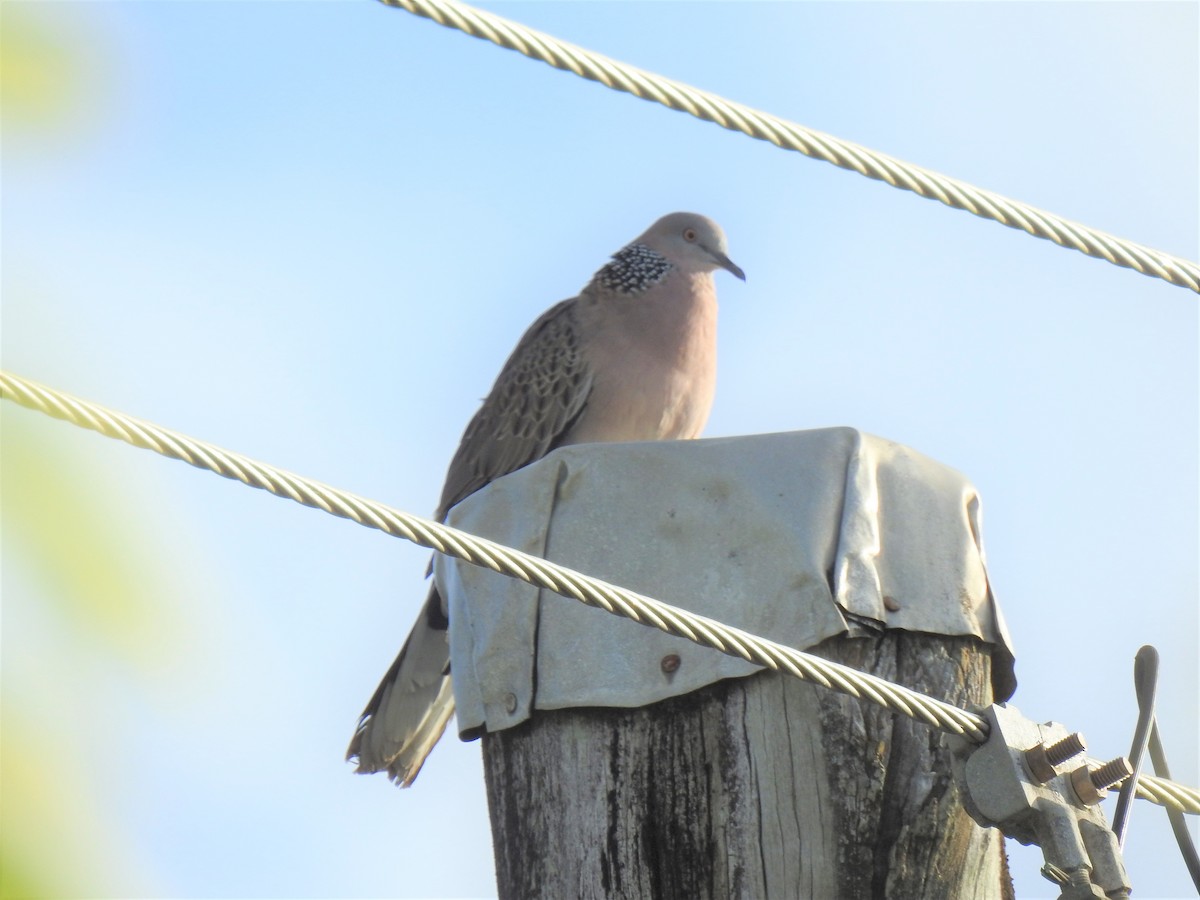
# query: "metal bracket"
1020, 781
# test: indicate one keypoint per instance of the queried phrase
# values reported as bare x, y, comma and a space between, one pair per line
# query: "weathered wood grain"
759, 787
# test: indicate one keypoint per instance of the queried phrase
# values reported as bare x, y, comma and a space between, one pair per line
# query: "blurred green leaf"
40, 81
60, 524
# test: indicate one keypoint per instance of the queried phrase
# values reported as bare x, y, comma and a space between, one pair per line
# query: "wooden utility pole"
624, 763
757, 787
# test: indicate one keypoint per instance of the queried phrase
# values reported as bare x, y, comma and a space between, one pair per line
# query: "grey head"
693, 242
689, 242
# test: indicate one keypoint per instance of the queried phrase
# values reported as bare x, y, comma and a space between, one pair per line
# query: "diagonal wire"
1145, 683
543, 573
790, 136
490, 555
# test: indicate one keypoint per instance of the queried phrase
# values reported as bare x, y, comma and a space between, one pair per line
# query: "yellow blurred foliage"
58, 521
41, 82
54, 842
96, 590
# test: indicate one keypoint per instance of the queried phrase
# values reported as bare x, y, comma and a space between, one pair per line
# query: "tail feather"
412, 705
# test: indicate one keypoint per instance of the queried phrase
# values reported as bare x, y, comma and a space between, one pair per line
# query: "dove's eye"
689, 234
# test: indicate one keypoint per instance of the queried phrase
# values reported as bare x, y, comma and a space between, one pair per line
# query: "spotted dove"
632, 358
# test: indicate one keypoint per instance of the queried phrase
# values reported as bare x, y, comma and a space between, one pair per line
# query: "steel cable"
790, 136
531, 569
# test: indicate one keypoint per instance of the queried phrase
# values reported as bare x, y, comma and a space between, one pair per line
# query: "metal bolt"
1039, 766
1111, 773
1060, 751
1080, 876
670, 663
1081, 781
1051, 872
1042, 759
1089, 783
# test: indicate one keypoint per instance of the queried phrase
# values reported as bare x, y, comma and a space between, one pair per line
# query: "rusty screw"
1062, 750
670, 663
1090, 783
1042, 759
1111, 773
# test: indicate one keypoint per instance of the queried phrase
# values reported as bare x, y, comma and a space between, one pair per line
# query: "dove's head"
692, 242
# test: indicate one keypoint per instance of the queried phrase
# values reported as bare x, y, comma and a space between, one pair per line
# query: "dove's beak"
726, 263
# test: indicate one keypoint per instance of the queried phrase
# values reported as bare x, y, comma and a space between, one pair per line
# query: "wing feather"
539, 394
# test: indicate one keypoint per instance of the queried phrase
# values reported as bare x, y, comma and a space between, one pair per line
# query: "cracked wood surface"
758, 787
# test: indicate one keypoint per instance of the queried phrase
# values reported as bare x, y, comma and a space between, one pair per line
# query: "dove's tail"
412, 705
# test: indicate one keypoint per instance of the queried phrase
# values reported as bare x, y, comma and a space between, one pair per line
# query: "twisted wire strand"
1162, 791
790, 136
543, 573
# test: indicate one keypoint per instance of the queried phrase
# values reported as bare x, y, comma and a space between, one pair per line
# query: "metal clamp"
1014, 782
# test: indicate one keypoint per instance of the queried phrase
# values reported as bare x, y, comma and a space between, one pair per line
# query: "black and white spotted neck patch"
633, 269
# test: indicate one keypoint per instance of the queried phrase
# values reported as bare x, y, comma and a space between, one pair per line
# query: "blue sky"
311, 232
